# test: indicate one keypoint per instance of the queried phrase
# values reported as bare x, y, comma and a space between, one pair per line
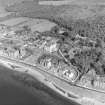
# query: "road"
33, 67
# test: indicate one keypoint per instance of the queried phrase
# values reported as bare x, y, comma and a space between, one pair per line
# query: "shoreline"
37, 75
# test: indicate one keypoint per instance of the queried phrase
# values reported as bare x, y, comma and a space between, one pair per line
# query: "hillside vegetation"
86, 20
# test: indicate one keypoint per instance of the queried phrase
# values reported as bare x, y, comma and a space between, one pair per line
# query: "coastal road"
34, 67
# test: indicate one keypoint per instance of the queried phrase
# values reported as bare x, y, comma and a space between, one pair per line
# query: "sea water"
14, 92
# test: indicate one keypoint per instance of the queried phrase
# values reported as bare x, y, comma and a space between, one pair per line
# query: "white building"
69, 73
51, 46
48, 61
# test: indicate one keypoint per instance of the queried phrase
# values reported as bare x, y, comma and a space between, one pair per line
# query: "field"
87, 18
63, 14
72, 9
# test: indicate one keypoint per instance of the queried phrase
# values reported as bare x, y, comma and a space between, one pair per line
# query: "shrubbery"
93, 31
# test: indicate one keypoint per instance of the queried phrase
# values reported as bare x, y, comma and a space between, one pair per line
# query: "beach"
52, 85
16, 91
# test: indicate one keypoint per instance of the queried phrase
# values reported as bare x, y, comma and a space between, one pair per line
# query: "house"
49, 62
11, 52
5, 30
4, 27
17, 52
45, 61
24, 52
51, 46
69, 73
